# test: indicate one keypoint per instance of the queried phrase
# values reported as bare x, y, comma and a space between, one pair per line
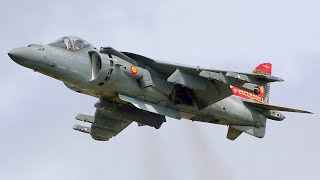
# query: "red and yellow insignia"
249, 95
134, 70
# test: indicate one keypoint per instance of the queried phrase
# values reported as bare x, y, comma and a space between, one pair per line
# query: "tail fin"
263, 97
264, 69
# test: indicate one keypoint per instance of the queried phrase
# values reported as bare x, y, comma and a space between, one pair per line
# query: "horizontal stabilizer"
275, 108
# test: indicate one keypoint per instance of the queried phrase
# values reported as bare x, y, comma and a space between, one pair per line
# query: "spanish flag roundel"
134, 70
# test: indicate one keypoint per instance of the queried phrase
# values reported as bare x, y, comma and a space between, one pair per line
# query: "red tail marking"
263, 69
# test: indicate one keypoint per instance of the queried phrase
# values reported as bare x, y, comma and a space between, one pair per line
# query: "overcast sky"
37, 112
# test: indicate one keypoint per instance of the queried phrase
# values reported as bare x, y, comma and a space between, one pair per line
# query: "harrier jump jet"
134, 88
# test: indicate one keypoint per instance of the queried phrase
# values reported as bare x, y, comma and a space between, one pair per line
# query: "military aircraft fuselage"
119, 80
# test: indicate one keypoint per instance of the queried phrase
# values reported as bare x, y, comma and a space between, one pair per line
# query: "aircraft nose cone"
19, 54
27, 56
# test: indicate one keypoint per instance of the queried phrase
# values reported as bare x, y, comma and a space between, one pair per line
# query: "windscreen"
71, 43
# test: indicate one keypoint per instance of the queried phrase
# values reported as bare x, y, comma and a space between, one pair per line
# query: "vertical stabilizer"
264, 69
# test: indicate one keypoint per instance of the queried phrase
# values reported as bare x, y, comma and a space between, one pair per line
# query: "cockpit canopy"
71, 43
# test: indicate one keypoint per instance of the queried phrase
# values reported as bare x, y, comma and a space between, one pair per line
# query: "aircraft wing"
168, 68
104, 125
197, 82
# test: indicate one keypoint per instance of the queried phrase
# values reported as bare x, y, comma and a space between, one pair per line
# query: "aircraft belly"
229, 111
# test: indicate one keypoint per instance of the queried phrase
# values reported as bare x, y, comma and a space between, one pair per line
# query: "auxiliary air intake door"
95, 65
